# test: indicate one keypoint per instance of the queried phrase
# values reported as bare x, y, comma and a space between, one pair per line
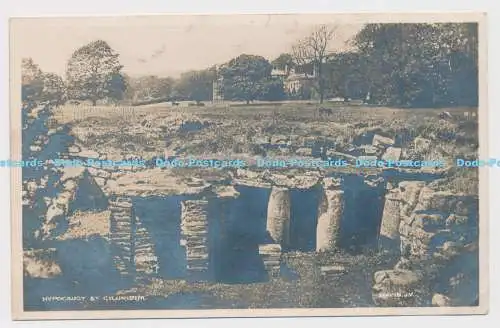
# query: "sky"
169, 45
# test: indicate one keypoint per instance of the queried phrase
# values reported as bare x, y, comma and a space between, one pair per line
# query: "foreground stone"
400, 288
41, 263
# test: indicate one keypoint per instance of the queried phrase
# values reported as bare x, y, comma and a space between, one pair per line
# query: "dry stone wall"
438, 233
35, 195
52, 194
121, 234
146, 261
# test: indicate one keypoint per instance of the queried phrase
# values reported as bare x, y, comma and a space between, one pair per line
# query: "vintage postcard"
181, 166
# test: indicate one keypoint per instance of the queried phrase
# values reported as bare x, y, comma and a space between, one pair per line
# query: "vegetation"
420, 65
400, 65
39, 86
313, 50
94, 73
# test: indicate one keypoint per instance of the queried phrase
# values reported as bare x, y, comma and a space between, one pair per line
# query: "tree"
54, 89
244, 77
94, 73
313, 50
196, 85
345, 75
32, 80
421, 65
272, 89
284, 62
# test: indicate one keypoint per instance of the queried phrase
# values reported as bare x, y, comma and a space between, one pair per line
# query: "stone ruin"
207, 231
435, 235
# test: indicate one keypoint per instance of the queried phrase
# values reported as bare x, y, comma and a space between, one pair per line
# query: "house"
295, 82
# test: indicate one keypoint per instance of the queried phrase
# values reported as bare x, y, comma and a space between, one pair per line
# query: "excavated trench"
246, 230
236, 228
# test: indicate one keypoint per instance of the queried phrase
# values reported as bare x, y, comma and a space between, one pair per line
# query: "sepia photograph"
248, 165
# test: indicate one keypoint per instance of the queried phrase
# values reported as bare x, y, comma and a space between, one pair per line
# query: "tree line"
406, 65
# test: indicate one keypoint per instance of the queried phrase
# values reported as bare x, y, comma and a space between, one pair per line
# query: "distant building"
294, 82
280, 73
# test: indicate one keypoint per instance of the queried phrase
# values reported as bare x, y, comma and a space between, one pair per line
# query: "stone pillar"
330, 216
389, 238
195, 237
278, 216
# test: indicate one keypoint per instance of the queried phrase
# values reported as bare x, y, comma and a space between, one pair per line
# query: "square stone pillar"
195, 238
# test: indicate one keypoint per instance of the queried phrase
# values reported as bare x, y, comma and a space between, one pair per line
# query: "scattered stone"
74, 149
35, 148
441, 300
304, 152
380, 141
400, 288
99, 173
53, 213
101, 182
41, 263
421, 144
87, 153
367, 158
403, 264
333, 270
370, 150
392, 154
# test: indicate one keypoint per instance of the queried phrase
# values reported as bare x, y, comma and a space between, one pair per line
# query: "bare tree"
313, 50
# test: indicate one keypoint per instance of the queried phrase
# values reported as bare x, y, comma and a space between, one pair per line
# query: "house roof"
298, 77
